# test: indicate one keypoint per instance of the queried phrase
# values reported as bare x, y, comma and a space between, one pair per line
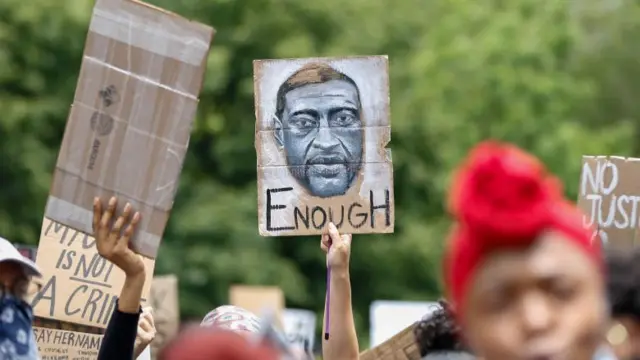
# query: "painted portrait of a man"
318, 125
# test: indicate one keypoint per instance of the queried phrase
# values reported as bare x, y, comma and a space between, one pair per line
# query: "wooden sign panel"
609, 197
322, 127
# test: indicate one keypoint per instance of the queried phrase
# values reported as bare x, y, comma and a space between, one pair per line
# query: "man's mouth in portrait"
326, 166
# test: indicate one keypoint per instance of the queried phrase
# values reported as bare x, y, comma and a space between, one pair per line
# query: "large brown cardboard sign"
78, 285
128, 129
67, 345
322, 129
401, 346
166, 312
609, 197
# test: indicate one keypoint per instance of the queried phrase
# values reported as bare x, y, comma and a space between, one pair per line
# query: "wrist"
340, 273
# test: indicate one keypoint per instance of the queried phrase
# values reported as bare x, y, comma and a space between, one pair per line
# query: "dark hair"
623, 286
314, 73
438, 332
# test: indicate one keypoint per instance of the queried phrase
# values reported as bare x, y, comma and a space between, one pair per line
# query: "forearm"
131, 293
343, 341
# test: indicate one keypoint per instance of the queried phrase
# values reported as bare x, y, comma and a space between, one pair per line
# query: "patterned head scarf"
232, 318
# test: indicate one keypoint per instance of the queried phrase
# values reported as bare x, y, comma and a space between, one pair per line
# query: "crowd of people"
523, 281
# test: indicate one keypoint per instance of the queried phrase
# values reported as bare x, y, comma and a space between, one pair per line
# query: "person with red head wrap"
521, 272
214, 344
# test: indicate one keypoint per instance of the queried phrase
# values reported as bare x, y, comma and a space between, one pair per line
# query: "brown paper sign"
609, 197
401, 346
166, 312
54, 344
78, 285
322, 130
128, 129
258, 299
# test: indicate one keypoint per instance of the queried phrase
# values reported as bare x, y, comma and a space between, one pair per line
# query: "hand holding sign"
111, 242
337, 247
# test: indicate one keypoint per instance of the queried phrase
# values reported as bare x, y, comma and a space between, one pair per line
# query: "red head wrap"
211, 344
503, 197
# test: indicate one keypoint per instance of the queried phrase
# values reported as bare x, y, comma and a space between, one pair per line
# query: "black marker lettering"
331, 219
386, 207
271, 207
362, 215
41, 295
318, 225
94, 297
82, 288
303, 217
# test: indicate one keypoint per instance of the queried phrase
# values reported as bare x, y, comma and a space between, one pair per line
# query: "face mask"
17, 341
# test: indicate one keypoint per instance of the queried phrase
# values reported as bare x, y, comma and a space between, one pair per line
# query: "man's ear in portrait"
278, 131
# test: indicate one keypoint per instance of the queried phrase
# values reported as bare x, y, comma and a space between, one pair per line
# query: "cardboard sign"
609, 197
129, 126
166, 312
68, 345
78, 285
258, 299
322, 128
402, 346
299, 328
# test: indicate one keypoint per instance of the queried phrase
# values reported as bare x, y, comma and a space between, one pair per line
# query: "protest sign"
55, 344
401, 346
129, 126
299, 328
78, 285
166, 312
322, 129
609, 197
258, 299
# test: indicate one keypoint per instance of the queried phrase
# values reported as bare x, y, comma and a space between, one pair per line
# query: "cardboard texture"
130, 122
258, 299
609, 197
67, 345
166, 312
78, 285
322, 129
402, 346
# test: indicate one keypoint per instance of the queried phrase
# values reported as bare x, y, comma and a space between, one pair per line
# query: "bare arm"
343, 341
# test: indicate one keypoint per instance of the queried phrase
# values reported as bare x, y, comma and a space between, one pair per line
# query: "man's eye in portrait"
303, 122
343, 118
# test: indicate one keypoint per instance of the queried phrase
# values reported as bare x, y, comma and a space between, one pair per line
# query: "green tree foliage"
557, 79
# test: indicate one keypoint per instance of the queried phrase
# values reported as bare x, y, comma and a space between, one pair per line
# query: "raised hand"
337, 247
111, 241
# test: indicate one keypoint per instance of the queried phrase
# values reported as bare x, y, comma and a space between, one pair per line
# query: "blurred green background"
559, 78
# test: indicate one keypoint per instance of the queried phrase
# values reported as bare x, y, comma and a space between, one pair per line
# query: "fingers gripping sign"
111, 241
337, 247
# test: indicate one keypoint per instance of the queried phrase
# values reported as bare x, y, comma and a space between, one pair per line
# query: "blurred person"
17, 340
439, 337
623, 284
340, 341
207, 343
113, 234
521, 272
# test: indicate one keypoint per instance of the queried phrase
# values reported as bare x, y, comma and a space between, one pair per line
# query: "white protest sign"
391, 317
299, 328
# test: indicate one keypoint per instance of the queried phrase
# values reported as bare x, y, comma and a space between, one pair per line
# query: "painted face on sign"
544, 302
320, 129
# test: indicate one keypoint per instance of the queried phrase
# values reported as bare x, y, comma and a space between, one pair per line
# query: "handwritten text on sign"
66, 345
78, 285
610, 197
